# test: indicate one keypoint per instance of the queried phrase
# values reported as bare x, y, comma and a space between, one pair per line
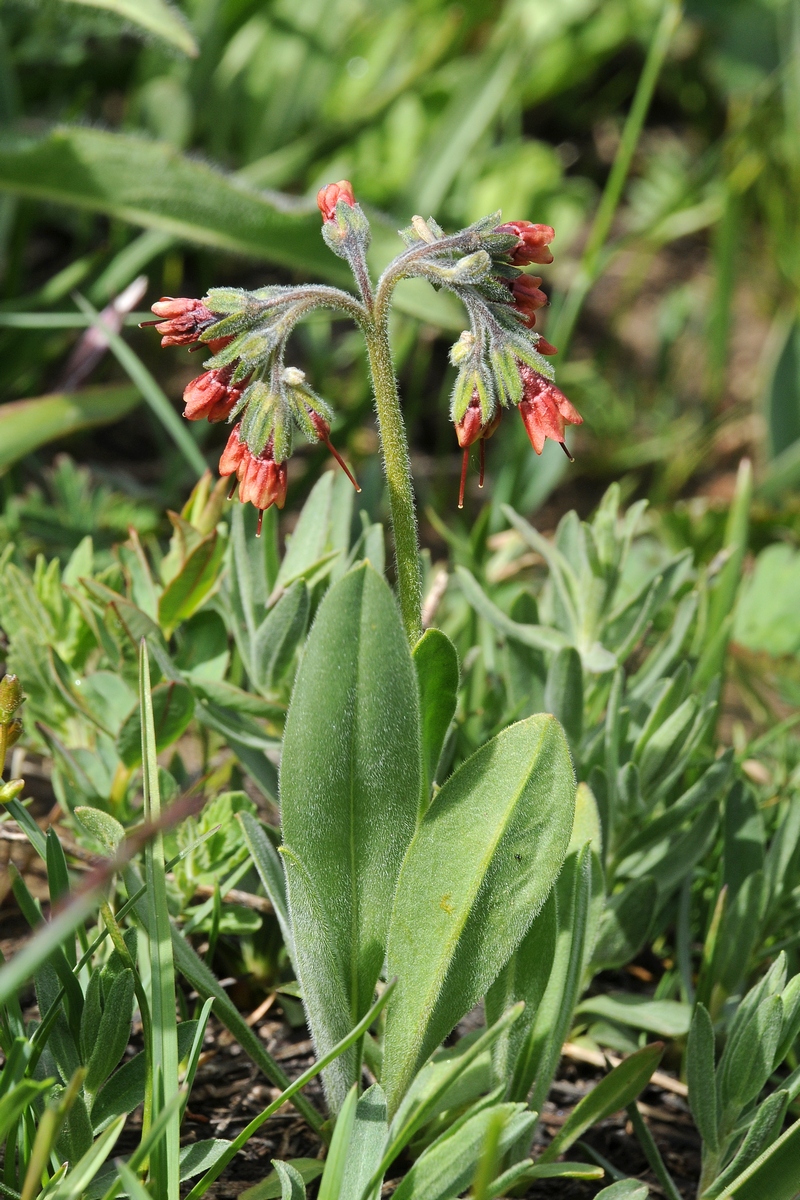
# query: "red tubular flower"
544, 347
182, 320
545, 410
233, 454
323, 431
528, 297
330, 195
212, 395
262, 480
471, 429
534, 242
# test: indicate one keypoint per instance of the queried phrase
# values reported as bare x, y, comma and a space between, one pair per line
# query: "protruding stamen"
341, 463
147, 324
482, 445
464, 464
563, 446
260, 522
233, 487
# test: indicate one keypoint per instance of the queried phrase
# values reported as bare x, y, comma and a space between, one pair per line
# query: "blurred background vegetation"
187, 145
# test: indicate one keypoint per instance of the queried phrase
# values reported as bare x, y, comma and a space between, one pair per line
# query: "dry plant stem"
394, 448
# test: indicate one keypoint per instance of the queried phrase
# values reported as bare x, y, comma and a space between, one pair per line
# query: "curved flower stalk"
500, 359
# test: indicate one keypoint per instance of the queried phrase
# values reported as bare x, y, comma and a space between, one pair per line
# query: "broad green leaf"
155, 16
199, 1156
746, 1069
367, 1140
151, 184
270, 869
620, 1087
270, 1188
563, 1170
766, 619
184, 594
541, 1051
73, 1185
292, 1183
445, 1169
124, 1091
104, 828
436, 661
349, 796
540, 637
745, 837
624, 924
775, 1174
173, 709
482, 861
624, 1189
278, 636
563, 694
741, 924
309, 541
25, 425
762, 1131
669, 1018
113, 1032
524, 977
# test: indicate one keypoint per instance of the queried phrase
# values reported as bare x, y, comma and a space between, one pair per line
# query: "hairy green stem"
394, 448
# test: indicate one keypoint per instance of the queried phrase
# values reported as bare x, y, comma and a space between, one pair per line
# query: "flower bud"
528, 297
212, 395
233, 454
9, 791
533, 245
182, 320
462, 349
345, 229
329, 196
13, 732
10, 697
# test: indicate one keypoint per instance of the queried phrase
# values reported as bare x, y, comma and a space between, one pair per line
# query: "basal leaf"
436, 661
173, 709
620, 1087
482, 861
184, 594
349, 794
670, 1018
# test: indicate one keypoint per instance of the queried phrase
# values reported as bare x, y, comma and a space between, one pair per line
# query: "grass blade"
166, 1162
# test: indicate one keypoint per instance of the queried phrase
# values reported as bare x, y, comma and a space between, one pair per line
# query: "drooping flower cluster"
246, 333
500, 358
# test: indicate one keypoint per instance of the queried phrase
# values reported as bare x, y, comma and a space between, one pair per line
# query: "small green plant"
494, 828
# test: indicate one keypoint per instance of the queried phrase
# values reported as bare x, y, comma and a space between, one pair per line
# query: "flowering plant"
500, 358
